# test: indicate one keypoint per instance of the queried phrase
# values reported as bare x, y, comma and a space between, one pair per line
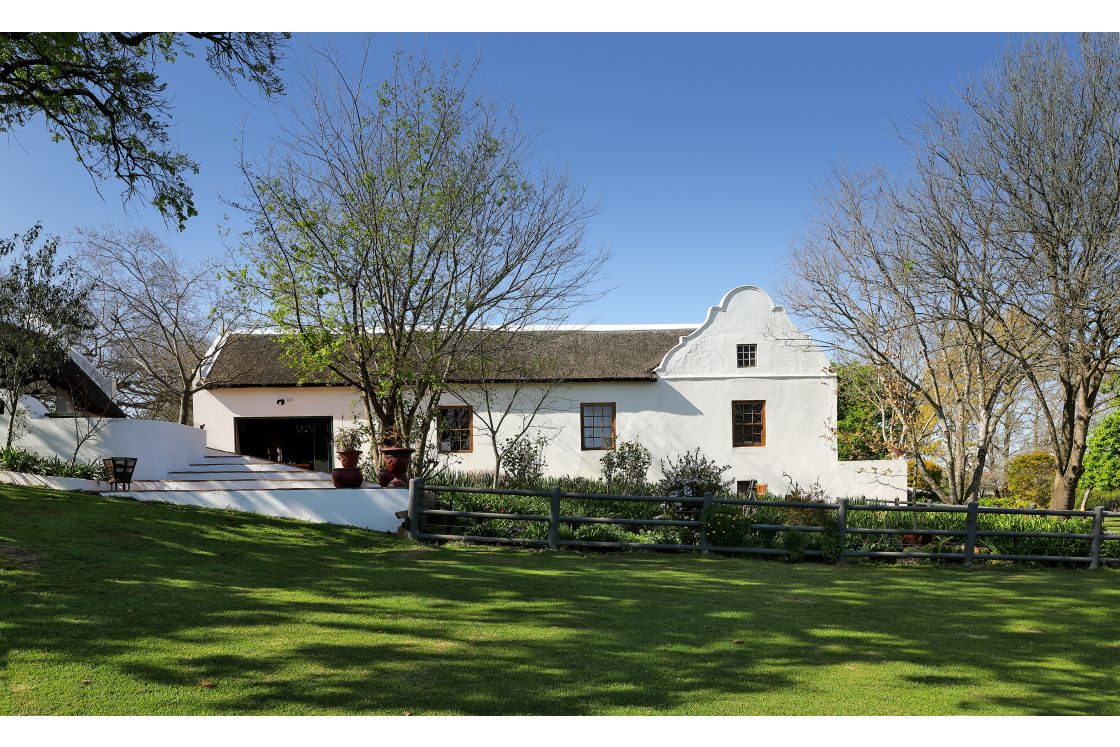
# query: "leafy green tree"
400, 230
1102, 456
859, 417
100, 92
43, 312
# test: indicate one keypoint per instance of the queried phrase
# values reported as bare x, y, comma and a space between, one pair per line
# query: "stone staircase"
219, 470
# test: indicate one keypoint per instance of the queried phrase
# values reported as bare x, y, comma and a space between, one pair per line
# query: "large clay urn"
396, 462
348, 475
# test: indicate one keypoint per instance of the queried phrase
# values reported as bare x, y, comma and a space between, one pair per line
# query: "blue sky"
700, 150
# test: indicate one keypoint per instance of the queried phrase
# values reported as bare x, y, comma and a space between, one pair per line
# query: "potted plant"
349, 475
397, 457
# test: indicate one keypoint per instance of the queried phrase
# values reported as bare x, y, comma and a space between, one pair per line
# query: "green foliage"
829, 540
726, 526
795, 544
626, 467
1030, 477
729, 526
859, 433
1102, 456
915, 479
523, 462
43, 311
350, 438
100, 92
607, 533
21, 460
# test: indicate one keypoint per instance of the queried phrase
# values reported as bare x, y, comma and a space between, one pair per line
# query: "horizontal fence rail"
419, 493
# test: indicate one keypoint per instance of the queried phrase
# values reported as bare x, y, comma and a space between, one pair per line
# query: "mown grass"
115, 607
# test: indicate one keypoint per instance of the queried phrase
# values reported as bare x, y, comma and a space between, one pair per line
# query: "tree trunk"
1063, 494
185, 408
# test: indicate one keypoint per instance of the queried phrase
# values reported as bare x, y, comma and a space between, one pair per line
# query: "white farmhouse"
745, 386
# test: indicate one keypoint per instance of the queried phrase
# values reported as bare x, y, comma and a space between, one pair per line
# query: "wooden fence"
418, 511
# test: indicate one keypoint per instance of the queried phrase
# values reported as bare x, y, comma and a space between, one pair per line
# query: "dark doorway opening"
304, 442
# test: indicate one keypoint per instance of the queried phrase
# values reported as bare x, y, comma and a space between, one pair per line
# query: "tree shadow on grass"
287, 617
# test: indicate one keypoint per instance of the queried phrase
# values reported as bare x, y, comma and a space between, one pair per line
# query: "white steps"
219, 472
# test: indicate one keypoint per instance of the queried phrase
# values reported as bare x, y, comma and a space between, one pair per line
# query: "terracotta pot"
396, 462
383, 477
348, 475
349, 458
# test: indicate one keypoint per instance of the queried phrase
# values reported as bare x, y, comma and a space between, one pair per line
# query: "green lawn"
116, 607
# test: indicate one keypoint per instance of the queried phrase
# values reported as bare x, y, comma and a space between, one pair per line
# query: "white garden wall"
159, 446
374, 508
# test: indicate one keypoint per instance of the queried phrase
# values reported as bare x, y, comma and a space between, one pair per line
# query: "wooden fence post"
415, 506
1098, 536
970, 537
705, 512
842, 528
554, 519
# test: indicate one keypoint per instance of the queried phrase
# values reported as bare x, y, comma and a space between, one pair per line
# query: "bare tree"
861, 277
508, 384
1029, 171
160, 320
400, 227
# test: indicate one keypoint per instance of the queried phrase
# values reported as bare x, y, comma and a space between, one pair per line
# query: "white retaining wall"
368, 508
50, 481
159, 446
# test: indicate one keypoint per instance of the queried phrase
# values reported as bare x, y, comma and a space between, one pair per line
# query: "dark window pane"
748, 423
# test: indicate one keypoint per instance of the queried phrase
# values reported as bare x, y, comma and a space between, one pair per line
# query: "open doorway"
302, 442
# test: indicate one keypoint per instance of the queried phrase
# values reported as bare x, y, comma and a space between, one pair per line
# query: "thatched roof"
257, 360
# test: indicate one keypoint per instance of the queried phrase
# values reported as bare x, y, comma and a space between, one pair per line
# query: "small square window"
746, 355
746, 488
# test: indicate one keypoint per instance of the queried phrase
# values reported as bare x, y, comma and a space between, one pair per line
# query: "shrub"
523, 462
1030, 477
829, 540
491, 528
21, 460
662, 535
795, 544
693, 474
726, 526
915, 479
626, 466
606, 533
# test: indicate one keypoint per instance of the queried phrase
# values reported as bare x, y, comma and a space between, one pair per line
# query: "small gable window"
746, 355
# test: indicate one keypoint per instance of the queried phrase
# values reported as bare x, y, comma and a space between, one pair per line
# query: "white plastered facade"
686, 405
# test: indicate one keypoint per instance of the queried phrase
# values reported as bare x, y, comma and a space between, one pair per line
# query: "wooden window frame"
614, 421
753, 354
762, 439
470, 429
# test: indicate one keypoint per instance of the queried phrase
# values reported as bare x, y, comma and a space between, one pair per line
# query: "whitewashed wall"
159, 446
214, 410
687, 406
374, 509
